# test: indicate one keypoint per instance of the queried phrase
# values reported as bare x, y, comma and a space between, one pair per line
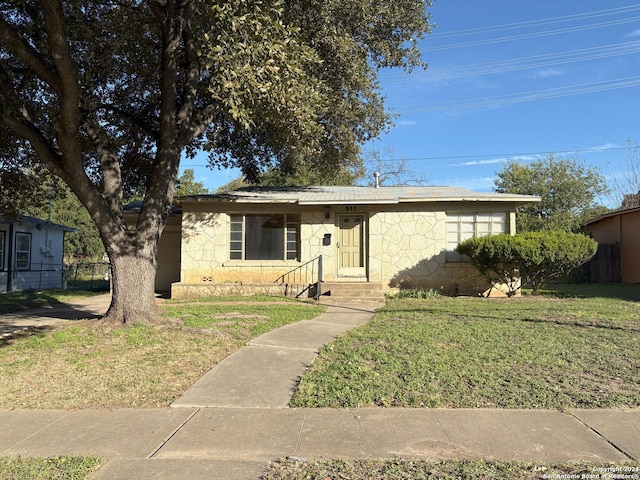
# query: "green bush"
416, 293
531, 258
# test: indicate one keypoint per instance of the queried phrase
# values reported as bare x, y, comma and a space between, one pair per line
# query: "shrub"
532, 258
417, 293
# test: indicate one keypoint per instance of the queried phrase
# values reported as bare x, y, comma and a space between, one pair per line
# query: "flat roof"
332, 195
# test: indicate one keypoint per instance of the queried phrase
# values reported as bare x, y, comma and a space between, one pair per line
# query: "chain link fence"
89, 276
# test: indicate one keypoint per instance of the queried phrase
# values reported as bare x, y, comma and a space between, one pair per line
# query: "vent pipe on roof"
377, 177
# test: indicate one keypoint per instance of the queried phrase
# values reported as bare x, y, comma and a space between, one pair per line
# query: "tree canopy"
109, 96
187, 184
62, 207
569, 190
625, 185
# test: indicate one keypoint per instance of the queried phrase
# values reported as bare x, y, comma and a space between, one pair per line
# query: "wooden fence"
604, 267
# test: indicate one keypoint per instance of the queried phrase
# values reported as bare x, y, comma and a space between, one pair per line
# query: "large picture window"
463, 226
23, 251
264, 237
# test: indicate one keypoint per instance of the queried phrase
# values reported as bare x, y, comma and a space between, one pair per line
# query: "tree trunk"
133, 278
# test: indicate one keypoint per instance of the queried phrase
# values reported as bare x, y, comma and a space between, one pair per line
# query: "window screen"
264, 237
461, 227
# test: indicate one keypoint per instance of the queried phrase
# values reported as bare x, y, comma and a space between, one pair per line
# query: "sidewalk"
238, 443
235, 420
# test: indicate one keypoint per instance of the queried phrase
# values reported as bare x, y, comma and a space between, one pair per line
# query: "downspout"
10, 258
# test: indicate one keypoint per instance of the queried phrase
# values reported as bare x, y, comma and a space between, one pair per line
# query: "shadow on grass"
7, 338
622, 291
574, 323
20, 301
16, 302
499, 316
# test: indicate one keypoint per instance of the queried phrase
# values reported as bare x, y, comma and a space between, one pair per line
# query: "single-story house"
618, 257
277, 239
31, 254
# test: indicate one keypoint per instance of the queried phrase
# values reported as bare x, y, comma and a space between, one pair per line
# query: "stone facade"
405, 247
408, 250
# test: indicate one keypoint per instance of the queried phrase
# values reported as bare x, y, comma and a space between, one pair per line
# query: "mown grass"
91, 365
53, 468
404, 469
571, 348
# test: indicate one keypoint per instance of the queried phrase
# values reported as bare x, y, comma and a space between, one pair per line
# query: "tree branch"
109, 166
135, 119
159, 195
28, 55
192, 68
69, 94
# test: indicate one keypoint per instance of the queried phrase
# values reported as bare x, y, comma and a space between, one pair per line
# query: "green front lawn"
91, 365
403, 469
571, 348
53, 468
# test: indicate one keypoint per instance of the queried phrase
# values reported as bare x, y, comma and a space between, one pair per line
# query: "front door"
351, 245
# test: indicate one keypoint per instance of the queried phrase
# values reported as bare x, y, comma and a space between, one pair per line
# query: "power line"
511, 98
535, 23
525, 36
529, 62
500, 155
466, 157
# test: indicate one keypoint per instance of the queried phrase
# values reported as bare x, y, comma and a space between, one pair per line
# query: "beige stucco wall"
168, 259
606, 230
405, 247
625, 230
629, 252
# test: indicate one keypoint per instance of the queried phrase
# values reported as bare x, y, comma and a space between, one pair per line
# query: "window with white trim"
23, 251
463, 226
1, 250
264, 237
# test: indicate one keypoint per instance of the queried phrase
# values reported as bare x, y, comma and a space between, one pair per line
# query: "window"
462, 226
264, 237
1, 250
23, 251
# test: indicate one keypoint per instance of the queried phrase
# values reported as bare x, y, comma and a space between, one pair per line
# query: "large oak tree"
109, 96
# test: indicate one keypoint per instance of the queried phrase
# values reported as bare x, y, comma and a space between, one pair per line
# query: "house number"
350, 208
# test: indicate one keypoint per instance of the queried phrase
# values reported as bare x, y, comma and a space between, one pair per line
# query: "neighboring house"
618, 257
386, 237
168, 261
31, 254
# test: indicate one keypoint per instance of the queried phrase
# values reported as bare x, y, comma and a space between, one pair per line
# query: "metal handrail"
309, 274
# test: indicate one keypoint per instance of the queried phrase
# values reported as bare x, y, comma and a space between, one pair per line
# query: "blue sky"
507, 81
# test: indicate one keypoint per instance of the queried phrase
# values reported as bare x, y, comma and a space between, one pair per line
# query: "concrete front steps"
338, 293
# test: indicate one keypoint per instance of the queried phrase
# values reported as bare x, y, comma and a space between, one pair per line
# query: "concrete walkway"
265, 373
235, 420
